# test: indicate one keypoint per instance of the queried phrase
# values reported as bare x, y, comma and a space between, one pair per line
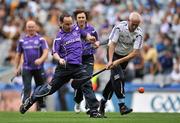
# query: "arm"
90, 38
111, 50
18, 58
113, 39
87, 36
96, 44
43, 57
130, 56
55, 48
18, 63
59, 59
44, 47
112, 46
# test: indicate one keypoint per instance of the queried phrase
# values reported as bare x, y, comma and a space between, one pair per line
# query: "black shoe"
95, 114
22, 110
124, 109
102, 106
25, 106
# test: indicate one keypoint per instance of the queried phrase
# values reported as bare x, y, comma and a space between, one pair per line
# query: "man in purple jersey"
81, 17
67, 50
34, 50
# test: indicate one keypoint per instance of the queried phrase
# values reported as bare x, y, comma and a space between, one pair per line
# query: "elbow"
46, 57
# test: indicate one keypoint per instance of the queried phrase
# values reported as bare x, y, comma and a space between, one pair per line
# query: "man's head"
31, 27
66, 22
134, 21
81, 16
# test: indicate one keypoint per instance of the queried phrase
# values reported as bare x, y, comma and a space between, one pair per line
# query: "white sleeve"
56, 45
114, 36
138, 42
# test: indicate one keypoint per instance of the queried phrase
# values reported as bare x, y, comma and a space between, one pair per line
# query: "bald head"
134, 21
135, 17
30, 23
31, 28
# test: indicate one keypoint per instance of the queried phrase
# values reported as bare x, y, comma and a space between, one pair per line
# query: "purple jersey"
87, 45
32, 49
68, 45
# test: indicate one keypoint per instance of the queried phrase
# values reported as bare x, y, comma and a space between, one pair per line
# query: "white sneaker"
77, 107
43, 110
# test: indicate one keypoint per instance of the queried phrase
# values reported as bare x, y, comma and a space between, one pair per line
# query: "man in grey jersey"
125, 42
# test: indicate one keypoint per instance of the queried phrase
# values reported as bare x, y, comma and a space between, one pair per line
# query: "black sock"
121, 104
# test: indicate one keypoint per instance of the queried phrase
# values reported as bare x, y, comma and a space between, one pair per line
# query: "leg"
61, 95
88, 93
46, 89
107, 94
40, 92
39, 77
87, 88
117, 79
91, 100
88, 64
27, 77
78, 97
108, 91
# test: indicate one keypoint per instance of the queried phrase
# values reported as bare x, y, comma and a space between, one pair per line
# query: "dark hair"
78, 11
61, 18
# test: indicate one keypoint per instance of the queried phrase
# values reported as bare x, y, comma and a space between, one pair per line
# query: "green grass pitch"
72, 117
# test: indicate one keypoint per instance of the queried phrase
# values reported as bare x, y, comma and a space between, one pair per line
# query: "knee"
118, 77
42, 91
27, 89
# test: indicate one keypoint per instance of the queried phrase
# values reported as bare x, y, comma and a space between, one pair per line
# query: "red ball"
141, 89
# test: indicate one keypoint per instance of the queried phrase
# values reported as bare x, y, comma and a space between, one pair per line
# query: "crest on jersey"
75, 33
36, 42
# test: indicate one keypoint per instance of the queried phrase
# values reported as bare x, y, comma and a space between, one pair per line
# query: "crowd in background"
159, 60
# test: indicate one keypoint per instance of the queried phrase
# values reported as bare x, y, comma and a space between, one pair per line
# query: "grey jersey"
126, 41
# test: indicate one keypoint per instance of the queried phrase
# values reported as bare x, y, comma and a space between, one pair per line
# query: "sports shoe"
124, 109
77, 107
102, 106
26, 105
95, 114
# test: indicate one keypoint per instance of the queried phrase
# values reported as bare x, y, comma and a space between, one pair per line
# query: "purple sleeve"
83, 33
44, 44
19, 48
94, 33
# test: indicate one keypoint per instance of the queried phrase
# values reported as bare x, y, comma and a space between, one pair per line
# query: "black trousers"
63, 74
39, 77
116, 82
88, 64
